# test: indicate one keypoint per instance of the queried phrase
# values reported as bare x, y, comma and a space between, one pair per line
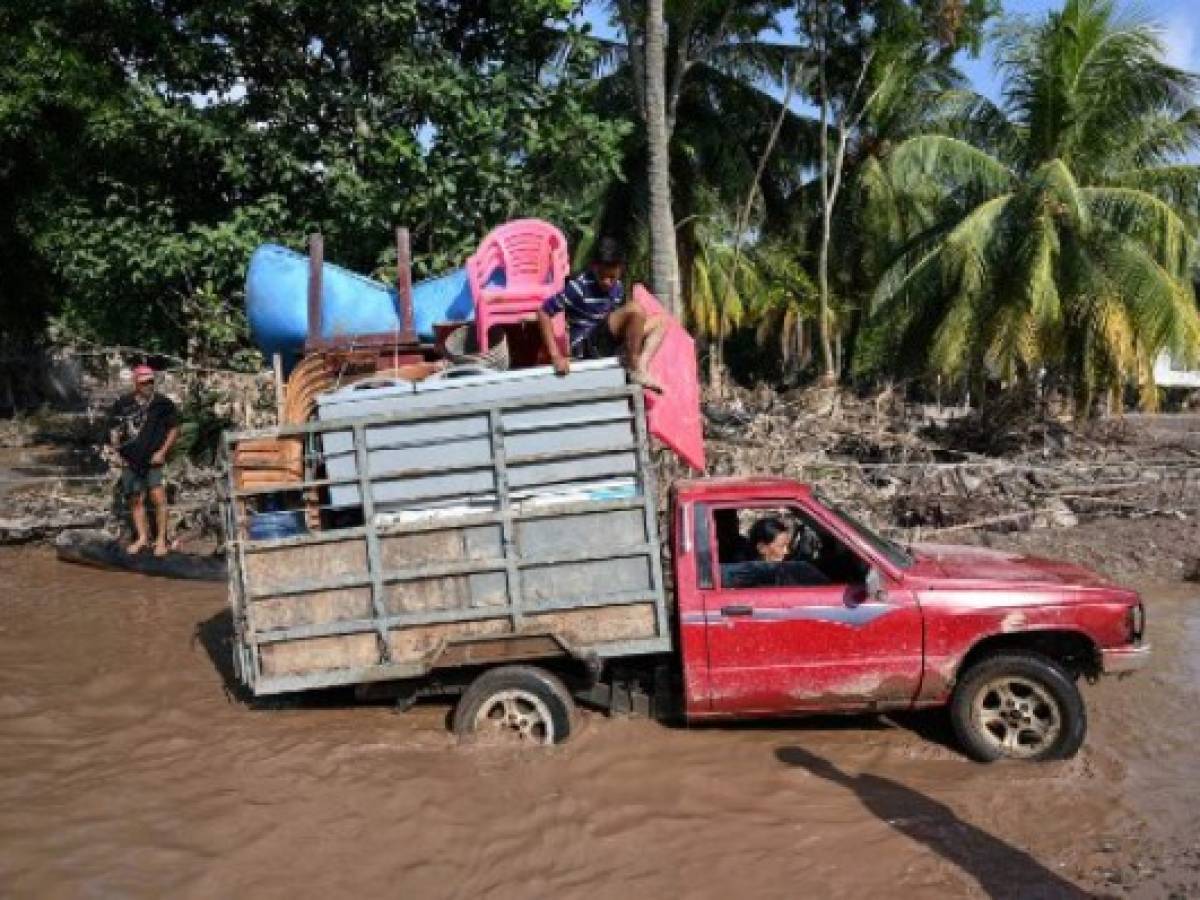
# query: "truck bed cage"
545, 573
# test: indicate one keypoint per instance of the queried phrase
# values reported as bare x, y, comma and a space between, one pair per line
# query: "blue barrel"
266, 526
277, 301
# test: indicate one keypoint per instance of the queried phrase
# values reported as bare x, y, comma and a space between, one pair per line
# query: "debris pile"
53, 475
1008, 467
918, 471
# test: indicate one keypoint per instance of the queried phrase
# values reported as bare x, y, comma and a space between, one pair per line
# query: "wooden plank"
303, 657
429, 594
318, 608
420, 641
277, 370
509, 649
582, 627
316, 260
435, 616
408, 332
276, 572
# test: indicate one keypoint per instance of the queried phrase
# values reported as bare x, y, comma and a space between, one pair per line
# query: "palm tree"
664, 257
1058, 230
712, 120
789, 307
726, 283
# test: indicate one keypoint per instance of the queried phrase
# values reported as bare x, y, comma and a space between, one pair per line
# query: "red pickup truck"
847, 621
522, 596
868, 625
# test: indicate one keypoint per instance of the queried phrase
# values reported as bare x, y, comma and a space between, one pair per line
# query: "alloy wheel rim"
1017, 716
517, 717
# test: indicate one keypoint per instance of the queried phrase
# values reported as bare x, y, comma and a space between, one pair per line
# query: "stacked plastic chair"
516, 269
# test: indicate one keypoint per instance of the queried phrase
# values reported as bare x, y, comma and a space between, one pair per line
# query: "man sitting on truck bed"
601, 321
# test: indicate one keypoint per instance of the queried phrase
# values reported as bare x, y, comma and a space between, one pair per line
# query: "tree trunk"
829, 373
664, 258
716, 365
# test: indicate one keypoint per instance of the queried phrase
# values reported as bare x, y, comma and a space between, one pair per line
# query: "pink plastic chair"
532, 255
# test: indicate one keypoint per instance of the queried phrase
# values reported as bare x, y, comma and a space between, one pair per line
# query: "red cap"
142, 373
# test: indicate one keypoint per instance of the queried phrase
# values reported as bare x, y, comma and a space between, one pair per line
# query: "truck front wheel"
519, 705
1018, 706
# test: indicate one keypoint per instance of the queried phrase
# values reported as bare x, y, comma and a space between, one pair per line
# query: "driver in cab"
778, 558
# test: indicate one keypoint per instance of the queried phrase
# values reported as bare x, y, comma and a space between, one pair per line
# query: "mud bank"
126, 768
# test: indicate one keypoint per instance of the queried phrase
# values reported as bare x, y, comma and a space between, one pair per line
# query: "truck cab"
848, 621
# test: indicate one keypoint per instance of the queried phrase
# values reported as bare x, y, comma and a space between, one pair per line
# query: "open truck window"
771, 547
893, 552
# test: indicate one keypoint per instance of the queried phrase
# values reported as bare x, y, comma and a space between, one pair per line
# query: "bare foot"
136, 547
646, 380
161, 550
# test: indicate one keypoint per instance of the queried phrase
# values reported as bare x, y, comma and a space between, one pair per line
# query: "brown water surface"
126, 769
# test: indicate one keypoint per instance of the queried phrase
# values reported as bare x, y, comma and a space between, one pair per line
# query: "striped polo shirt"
585, 304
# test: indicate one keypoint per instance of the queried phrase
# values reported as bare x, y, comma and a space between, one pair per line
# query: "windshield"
885, 547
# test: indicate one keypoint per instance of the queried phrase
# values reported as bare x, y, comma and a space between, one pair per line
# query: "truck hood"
953, 562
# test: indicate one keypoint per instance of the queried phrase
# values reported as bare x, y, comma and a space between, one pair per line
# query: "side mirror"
875, 586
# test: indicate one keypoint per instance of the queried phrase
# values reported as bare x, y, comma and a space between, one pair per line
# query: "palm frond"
756, 61
932, 255
976, 119
1148, 220
951, 163
1178, 186
1160, 307
1160, 138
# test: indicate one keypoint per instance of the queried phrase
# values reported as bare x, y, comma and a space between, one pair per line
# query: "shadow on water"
930, 725
215, 635
1003, 871
866, 722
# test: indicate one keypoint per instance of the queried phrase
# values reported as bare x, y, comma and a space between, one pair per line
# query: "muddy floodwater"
128, 769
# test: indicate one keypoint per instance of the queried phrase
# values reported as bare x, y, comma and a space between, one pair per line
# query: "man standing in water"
600, 320
145, 425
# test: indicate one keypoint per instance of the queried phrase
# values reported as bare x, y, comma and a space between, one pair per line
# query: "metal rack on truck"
498, 522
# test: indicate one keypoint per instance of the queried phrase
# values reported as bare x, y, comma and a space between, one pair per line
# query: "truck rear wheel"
1018, 706
519, 705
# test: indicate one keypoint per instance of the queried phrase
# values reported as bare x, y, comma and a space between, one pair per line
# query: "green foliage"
144, 151
788, 308
200, 426
723, 60
724, 284
1049, 235
136, 278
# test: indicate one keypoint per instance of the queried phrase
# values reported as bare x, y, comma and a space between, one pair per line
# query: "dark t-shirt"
142, 429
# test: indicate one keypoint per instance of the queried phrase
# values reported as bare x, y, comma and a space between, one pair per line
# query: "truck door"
790, 626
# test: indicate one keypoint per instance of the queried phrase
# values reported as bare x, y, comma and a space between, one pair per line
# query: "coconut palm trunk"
664, 257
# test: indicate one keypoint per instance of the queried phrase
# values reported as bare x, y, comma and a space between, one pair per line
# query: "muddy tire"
516, 705
1018, 706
